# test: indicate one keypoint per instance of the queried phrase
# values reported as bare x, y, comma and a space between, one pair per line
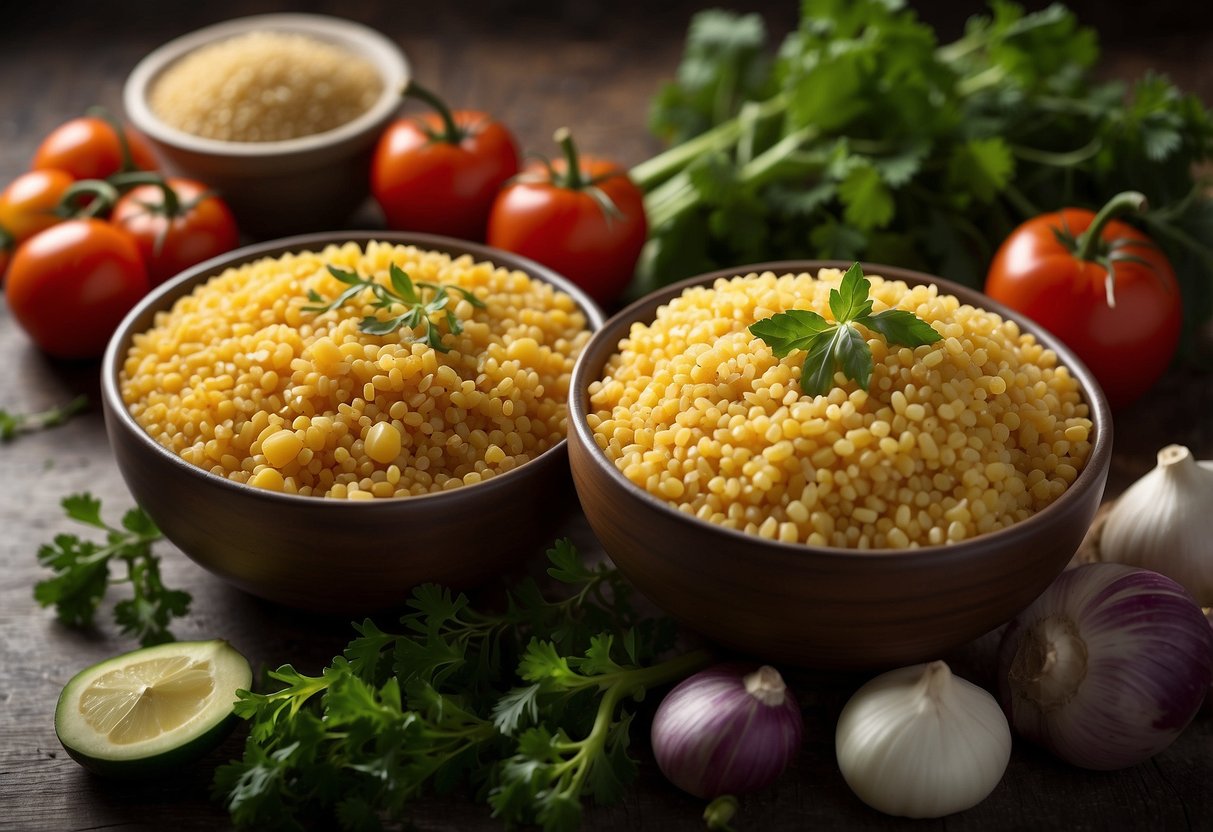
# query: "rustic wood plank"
592, 66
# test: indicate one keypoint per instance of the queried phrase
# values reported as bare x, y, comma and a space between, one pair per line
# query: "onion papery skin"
711, 737
1148, 666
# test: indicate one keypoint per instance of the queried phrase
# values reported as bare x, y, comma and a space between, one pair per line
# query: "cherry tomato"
88, 148
28, 204
175, 226
1101, 286
582, 217
70, 286
439, 173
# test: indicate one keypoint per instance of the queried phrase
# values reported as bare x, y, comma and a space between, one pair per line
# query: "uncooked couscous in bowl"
263, 86
295, 427
951, 440
712, 477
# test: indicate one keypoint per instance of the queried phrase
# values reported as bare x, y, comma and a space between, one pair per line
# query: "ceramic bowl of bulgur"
291, 425
859, 528
279, 113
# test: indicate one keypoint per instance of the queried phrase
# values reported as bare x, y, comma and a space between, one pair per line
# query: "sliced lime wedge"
152, 709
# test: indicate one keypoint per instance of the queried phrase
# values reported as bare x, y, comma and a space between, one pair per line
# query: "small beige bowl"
282, 187
328, 555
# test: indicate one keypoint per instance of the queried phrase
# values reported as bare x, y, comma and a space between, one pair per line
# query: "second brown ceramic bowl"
331, 555
816, 606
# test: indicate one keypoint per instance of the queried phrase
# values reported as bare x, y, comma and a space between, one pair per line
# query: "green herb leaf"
14, 424
82, 574
840, 346
898, 326
850, 300
795, 329
523, 707
402, 292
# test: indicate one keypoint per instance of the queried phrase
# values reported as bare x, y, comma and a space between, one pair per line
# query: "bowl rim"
384, 54
645, 308
162, 297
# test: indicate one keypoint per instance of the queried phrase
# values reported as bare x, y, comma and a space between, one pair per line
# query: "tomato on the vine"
89, 147
1101, 286
438, 173
70, 286
28, 205
582, 217
175, 223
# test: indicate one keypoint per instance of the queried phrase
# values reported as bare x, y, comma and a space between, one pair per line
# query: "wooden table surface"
593, 66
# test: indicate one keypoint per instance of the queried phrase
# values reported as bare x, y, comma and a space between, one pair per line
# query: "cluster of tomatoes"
457, 173
92, 227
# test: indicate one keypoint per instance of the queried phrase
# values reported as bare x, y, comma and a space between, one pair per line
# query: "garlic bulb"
921, 743
1164, 522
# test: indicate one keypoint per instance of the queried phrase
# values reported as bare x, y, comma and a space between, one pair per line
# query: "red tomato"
88, 148
175, 226
28, 204
589, 226
70, 286
439, 173
1127, 333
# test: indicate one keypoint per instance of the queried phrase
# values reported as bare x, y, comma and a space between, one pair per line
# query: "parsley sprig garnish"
403, 292
840, 345
14, 424
82, 573
522, 706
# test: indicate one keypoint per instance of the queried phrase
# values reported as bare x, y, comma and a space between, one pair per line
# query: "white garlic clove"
1164, 522
919, 742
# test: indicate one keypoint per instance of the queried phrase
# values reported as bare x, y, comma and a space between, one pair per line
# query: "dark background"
592, 65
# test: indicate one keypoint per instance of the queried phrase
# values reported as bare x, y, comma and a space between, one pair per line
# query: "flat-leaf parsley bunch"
522, 708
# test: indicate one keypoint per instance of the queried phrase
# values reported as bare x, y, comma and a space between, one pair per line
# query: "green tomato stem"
573, 180
103, 193
1088, 241
171, 205
451, 134
124, 146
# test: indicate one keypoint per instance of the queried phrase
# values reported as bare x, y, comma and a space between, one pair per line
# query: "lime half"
143, 712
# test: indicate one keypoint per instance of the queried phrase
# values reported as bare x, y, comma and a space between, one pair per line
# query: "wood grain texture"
593, 66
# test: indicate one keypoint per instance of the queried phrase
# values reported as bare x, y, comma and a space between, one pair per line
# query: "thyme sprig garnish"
403, 292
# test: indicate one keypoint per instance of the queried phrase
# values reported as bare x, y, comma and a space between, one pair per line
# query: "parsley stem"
661, 167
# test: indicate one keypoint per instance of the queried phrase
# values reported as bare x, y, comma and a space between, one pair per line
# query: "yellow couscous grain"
951, 440
239, 379
265, 86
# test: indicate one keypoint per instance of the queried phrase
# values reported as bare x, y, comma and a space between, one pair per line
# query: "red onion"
1107, 667
727, 730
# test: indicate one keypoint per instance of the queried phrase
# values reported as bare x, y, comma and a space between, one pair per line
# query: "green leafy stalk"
863, 138
546, 778
840, 345
404, 292
82, 574
14, 424
436, 705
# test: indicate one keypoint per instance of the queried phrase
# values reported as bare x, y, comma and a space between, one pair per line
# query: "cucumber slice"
150, 710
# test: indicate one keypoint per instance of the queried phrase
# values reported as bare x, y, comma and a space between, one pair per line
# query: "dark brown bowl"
818, 606
322, 554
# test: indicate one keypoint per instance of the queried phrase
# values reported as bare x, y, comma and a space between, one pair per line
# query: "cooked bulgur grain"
955, 439
237, 379
263, 87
